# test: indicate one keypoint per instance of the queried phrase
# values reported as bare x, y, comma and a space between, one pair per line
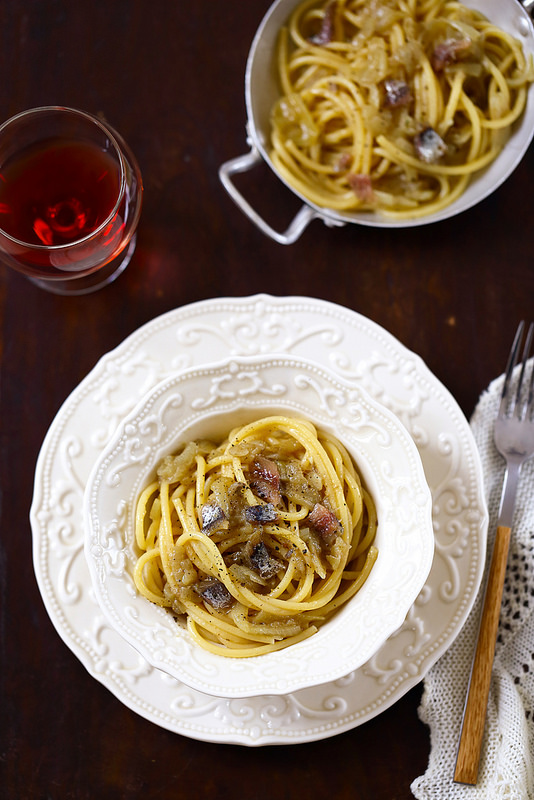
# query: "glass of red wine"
70, 199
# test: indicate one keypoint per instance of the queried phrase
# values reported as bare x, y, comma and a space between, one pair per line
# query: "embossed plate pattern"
208, 402
211, 330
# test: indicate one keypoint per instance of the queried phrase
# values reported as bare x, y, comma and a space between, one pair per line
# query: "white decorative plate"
206, 403
351, 346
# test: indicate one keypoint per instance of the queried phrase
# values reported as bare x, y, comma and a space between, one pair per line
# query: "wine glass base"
90, 283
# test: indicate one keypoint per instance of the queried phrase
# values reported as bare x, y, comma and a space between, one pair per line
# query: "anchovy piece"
325, 523
265, 480
215, 593
261, 514
212, 516
262, 561
397, 93
429, 146
326, 33
448, 52
362, 187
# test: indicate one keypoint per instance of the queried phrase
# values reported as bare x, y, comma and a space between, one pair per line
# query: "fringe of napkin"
507, 763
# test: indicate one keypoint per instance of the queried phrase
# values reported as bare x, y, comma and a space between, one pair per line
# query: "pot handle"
244, 163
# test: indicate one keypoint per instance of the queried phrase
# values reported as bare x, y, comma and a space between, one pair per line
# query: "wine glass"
70, 199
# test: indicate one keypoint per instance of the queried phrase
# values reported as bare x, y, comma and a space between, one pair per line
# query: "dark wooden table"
170, 77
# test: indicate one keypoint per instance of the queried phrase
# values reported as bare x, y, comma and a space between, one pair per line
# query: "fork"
514, 439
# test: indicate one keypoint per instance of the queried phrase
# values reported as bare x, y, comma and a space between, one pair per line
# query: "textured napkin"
507, 763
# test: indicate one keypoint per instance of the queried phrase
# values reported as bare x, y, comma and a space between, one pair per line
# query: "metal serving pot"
262, 90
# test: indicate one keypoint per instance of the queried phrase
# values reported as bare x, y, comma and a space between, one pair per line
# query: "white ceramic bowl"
208, 402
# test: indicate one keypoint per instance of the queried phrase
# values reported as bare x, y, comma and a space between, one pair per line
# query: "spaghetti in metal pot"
393, 105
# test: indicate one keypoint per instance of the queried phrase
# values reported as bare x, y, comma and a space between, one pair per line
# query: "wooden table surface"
170, 77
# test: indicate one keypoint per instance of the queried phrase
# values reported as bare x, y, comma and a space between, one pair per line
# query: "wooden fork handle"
468, 757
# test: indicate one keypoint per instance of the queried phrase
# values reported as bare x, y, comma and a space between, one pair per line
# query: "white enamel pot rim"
261, 91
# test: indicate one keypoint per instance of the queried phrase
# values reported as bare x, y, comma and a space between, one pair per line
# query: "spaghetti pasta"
258, 540
393, 105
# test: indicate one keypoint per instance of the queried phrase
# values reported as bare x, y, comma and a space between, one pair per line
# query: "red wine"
57, 192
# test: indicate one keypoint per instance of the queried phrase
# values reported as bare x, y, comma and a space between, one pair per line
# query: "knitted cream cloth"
507, 763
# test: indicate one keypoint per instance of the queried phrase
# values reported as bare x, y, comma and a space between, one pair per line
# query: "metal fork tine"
517, 407
530, 400
522, 408
512, 361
